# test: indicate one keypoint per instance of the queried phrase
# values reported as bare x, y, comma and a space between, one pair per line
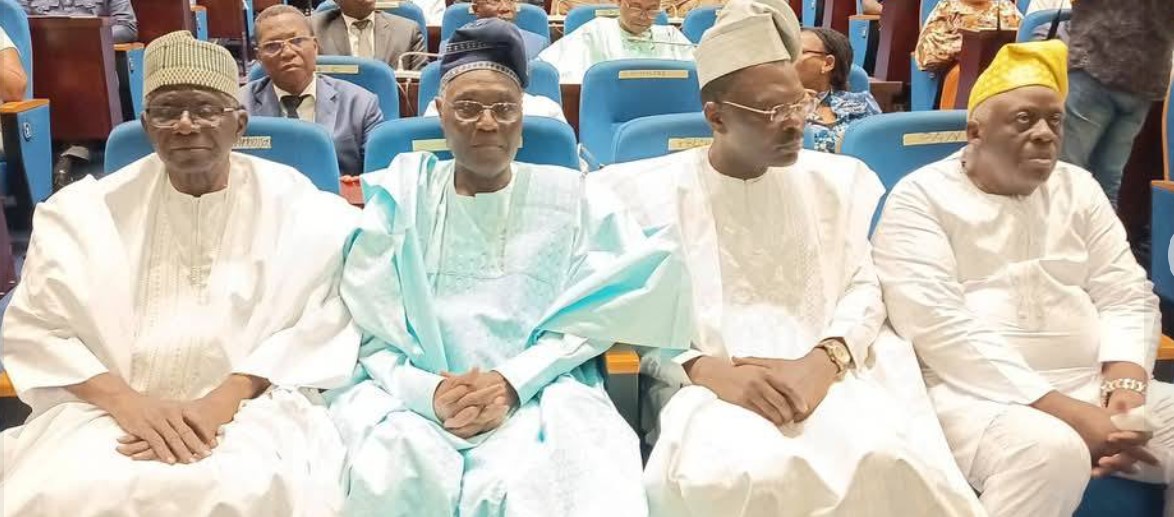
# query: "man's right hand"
746, 386
1111, 449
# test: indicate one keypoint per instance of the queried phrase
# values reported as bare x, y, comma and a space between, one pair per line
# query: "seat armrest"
621, 366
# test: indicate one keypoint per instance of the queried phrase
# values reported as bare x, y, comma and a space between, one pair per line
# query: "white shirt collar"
350, 22
311, 89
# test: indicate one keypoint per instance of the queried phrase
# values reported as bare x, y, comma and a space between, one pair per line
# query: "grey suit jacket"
394, 35
347, 111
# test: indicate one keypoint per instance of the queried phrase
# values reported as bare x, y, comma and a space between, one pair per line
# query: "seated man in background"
795, 400
631, 35
486, 288
1036, 327
940, 41
358, 29
125, 26
824, 68
288, 51
508, 11
168, 317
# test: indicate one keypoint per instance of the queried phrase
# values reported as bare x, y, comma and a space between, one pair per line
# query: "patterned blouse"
940, 41
847, 107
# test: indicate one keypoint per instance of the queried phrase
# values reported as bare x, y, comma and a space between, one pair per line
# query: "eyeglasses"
816, 52
273, 48
800, 108
167, 117
471, 111
645, 13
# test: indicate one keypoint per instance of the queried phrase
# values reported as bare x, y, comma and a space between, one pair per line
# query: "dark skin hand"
781, 391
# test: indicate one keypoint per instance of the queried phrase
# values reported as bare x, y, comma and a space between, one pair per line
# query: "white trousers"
1029, 463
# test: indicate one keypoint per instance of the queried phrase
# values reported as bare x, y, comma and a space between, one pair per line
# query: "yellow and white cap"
178, 59
1038, 63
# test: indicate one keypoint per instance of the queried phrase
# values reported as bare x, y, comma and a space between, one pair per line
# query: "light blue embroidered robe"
533, 281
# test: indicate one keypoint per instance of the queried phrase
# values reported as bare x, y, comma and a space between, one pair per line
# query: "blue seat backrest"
1162, 229
585, 13
617, 91
858, 79
1034, 20
658, 135
895, 144
301, 145
530, 18
544, 141
16, 23
371, 74
543, 81
1022, 5
404, 8
699, 20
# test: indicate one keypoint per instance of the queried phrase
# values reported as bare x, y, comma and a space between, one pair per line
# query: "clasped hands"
170, 431
781, 391
474, 402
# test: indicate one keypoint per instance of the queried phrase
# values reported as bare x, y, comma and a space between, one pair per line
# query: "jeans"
1099, 129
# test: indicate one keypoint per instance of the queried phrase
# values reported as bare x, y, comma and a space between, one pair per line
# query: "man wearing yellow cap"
167, 317
1037, 329
794, 399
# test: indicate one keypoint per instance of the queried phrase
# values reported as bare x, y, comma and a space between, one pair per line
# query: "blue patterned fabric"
847, 107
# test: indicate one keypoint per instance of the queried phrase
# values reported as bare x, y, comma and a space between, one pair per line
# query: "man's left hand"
809, 376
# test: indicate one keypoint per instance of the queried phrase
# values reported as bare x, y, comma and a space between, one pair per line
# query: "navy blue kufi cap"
485, 44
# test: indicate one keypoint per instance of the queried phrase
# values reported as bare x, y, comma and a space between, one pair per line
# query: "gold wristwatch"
837, 351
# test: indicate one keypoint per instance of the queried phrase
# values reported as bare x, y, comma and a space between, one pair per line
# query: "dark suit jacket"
394, 35
347, 111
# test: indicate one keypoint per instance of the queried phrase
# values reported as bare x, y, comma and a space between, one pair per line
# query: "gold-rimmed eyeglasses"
802, 108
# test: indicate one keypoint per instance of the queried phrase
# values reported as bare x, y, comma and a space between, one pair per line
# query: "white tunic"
174, 293
779, 263
1006, 298
602, 39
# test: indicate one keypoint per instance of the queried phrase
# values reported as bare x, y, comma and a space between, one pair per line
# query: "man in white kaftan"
157, 301
1011, 274
631, 35
482, 264
757, 420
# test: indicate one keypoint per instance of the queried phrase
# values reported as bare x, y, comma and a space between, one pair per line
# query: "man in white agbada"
485, 289
166, 317
630, 35
1037, 329
785, 406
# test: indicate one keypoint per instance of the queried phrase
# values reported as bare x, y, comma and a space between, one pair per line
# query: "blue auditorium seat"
373, 75
1034, 20
658, 135
303, 146
543, 81
530, 18
699, 20
405, 9
26, 168
585, 13
544, 141
858, 79
895, 144
615, 92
